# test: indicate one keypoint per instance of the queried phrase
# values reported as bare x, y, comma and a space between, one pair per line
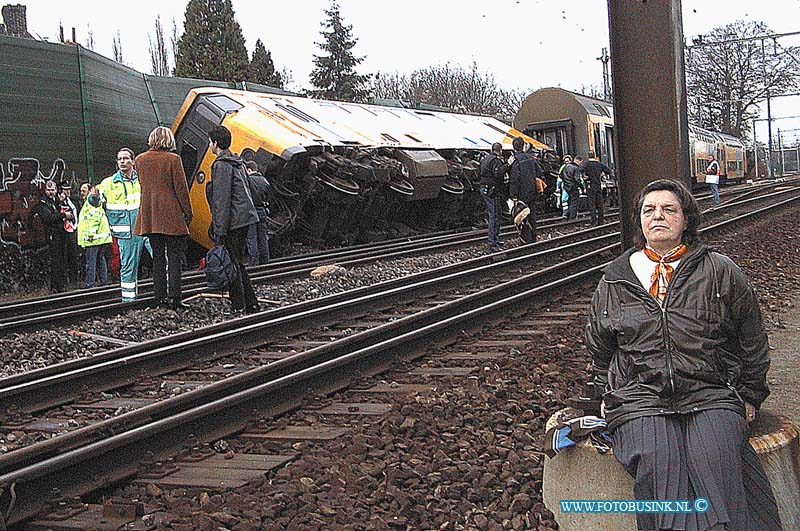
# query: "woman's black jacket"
704, 348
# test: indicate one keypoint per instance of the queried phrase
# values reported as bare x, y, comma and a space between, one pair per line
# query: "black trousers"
168, 254
596, 206
241, 290
58, 257
572, 201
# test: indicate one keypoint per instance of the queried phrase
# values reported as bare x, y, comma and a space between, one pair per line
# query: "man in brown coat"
164, 214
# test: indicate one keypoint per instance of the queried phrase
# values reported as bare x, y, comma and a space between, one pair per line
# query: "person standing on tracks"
493, 169
94, 236
679, 348
120, 195
72, 258
52, 217
164, 214
571, 183
257, 237
232, 213
712, 177
522, 179
594, 169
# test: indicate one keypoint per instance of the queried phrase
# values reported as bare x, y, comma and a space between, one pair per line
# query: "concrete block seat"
582, 473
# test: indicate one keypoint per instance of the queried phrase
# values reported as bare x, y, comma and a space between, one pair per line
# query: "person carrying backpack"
493, 168
232, 213
522, 181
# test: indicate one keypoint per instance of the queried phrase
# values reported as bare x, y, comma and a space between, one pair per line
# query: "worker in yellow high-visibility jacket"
120, 195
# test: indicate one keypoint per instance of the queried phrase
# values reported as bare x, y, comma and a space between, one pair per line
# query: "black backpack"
219, 268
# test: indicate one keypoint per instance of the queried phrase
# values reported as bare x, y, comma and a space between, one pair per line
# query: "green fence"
64, 113
62, 102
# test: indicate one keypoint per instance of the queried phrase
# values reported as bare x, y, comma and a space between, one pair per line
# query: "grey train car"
572, 123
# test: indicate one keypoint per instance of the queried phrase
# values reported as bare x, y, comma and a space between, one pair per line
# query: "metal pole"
648, 74
770, 173
755, 149
780, 148
769, 113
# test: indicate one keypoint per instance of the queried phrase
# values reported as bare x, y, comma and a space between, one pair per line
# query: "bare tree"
593, 91
174, 42
117, 48
730, 70
460, 89
89, 38
159, 58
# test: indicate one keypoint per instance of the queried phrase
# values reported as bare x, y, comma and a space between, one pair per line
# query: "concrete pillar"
651, 133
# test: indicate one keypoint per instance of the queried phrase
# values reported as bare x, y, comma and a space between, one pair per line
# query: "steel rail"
103, 462
74, 306
64, 382
39, 311
67, 313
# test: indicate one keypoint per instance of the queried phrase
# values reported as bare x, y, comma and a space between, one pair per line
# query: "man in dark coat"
49, 212
493, 169
257, 237
232, 213
522, 180
571, 182
593, 169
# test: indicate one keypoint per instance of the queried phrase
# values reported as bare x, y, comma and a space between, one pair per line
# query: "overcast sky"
525, 44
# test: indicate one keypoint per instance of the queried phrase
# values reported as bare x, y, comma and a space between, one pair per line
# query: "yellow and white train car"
342, 172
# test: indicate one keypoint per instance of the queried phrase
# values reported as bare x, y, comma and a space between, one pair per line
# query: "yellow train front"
342, 172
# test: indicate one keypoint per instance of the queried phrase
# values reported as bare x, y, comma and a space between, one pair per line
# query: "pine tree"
335, 74
212, 44
262, 69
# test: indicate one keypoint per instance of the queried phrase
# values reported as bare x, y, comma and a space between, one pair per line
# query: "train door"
609, 159
557, 135
191, 138
722, 158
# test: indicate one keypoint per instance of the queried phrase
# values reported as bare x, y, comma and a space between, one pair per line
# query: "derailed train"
342, 172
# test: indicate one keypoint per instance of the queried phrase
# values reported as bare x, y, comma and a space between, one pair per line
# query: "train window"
359, 107
204, 112
492, 126
414, 139
470, 141
390, 138
189, 160
297, 112
225, 103
429, 114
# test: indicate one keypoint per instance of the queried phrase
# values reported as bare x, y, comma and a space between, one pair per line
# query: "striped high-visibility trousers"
130, 249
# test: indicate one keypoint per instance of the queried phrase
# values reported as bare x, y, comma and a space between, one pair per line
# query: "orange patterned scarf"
663, 273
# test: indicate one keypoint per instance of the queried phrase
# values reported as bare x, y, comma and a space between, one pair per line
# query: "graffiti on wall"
21, 185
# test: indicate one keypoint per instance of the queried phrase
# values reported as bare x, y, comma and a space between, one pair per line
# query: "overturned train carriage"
342, 172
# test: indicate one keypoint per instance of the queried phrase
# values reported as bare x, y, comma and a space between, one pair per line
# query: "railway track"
72, 306
46, 312
83, 460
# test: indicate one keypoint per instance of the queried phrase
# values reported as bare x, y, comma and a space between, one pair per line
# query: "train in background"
342, 173
568, 122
